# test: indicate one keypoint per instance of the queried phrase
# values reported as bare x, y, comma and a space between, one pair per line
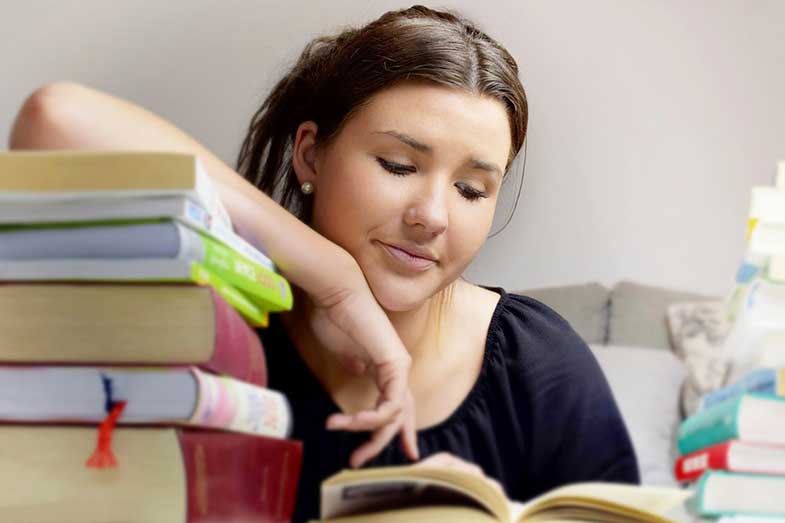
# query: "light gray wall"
650, 119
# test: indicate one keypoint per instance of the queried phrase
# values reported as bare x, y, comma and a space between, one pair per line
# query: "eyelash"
403, 170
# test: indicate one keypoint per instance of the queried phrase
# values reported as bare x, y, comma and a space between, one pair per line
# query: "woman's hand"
450, 461
349, 321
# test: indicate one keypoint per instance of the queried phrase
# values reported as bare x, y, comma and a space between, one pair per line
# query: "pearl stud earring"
306, 188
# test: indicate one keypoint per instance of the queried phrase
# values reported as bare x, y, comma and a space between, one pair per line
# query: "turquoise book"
720, 493
750, 417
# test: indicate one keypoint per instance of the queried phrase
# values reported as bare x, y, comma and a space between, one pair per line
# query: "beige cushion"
585, 307
637, 314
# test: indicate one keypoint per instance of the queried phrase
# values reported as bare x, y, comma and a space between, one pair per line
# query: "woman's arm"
71, 116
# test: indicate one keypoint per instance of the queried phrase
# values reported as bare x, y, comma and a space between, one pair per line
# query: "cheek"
351, 201
467, 235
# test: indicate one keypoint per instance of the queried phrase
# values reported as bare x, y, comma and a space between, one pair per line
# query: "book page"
355, 491
632, 502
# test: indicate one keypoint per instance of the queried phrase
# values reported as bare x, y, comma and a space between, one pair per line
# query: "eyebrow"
427, 149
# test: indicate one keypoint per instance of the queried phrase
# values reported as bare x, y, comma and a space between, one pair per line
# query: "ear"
304, 152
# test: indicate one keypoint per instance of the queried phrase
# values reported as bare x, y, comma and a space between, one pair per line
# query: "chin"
400, 294
396, 294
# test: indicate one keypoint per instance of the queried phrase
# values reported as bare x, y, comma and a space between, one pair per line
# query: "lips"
406, 259
417, 253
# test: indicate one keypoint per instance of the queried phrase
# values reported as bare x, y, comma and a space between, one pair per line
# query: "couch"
627, 330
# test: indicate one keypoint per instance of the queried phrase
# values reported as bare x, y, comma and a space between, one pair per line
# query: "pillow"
698, 332
637, 314
585, 307
646, 383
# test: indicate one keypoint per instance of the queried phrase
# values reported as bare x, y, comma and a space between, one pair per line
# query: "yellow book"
58, 175
415, 493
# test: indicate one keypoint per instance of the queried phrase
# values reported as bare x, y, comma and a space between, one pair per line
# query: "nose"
428, 211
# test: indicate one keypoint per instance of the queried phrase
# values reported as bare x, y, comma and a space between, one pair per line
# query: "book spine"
267, 289
195, 216
699, 500
760, 380
253, 314
238, 350
230, 404
233, 477
711, 426
691, 466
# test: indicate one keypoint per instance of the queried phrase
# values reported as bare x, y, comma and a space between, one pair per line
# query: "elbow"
41, 120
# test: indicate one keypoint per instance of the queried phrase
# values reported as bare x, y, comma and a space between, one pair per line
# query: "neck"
417, 329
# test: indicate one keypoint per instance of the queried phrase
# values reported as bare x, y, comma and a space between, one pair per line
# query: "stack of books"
756, 307
733, 448
132, 382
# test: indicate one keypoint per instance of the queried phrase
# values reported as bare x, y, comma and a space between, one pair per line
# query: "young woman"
386, 147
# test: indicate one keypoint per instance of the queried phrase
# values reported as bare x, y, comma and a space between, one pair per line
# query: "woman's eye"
395, 168
467, 191
470, 193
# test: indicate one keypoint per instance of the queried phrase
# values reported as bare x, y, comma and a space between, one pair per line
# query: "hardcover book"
754, 418
176, 395
723, 493
57, 175
163, 475
117, 324
735, 456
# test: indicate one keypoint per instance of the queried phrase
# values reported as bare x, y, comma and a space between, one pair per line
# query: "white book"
155, 251
768, 239
179, 208
179, 395
767, 205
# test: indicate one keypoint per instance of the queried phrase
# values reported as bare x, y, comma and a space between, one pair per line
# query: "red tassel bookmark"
103, 457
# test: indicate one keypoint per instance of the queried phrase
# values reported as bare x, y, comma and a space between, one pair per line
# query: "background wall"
650, 119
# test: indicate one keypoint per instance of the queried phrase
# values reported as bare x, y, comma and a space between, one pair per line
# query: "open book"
415, 493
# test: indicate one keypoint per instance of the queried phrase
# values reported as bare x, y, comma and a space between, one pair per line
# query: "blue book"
769, 381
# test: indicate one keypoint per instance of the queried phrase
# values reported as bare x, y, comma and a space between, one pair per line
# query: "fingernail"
336, 423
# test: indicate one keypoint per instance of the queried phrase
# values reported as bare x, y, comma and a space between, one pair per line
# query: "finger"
440, 459
377, 442
392, 379
409, 432
369, 420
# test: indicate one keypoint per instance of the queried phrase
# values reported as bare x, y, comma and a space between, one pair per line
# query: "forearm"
70, 116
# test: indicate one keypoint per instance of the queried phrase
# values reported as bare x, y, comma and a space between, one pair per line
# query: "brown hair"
336, 75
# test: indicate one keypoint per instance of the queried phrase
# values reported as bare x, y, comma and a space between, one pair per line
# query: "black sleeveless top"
540, 414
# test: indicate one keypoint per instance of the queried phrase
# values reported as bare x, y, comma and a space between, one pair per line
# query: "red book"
116, 324
162, 475
732, 455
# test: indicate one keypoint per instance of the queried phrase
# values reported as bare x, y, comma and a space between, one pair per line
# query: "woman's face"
417, 170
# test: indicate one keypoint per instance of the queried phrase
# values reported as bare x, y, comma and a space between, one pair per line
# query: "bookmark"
103, 457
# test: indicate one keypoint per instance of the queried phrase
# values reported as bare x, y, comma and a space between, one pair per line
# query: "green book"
751, 417
157, 251
253, 314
